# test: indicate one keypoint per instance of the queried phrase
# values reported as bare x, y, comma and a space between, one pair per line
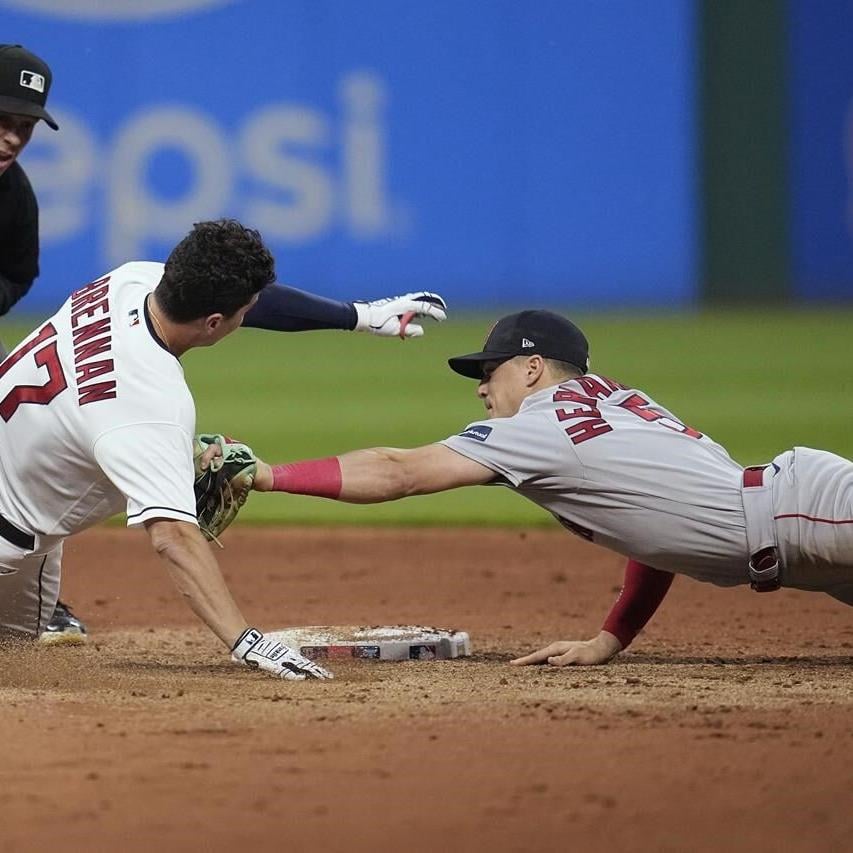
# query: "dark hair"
216, 269
563, 368
560, 369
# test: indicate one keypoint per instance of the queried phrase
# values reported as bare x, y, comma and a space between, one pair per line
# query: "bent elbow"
168, 536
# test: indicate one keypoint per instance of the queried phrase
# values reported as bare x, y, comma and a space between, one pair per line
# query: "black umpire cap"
24, 83
527, 333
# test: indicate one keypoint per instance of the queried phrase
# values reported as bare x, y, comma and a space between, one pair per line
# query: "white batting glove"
254, 649
391, 317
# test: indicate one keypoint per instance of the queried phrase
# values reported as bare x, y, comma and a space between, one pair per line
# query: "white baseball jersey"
95, 416
618, 469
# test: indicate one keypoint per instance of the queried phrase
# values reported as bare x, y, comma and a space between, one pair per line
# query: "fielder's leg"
813, 511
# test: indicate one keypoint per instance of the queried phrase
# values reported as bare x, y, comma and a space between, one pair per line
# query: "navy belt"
16, 536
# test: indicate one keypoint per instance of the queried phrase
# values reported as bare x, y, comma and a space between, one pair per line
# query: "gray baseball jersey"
618, 469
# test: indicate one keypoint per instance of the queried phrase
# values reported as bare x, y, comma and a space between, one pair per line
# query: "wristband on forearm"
317, 477
642, 592
243, 644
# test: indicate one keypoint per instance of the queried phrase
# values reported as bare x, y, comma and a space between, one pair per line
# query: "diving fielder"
614, 468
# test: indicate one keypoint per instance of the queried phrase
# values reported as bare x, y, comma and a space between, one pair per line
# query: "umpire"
24, 85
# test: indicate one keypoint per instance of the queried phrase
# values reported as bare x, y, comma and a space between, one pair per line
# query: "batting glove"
391, 317
254, 649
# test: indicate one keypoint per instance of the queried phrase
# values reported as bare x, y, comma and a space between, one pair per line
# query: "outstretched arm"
375, 475
287, 309
195, 572
643, 589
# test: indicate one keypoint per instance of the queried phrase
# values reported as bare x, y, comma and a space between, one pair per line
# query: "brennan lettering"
93, 348
92, 339
90, 371
97, 392
89, 299
89, 331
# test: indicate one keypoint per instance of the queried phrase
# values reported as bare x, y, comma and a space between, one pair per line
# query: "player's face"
502, 388
15, 133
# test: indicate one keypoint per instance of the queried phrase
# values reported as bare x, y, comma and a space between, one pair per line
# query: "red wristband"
318, 477
643, 591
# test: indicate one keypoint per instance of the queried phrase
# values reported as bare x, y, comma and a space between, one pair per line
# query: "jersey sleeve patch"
478, 432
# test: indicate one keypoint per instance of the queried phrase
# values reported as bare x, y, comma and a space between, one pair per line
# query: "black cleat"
64, 628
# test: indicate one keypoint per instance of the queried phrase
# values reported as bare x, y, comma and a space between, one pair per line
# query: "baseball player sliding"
84, 393
277, 307
615, 468
25, 81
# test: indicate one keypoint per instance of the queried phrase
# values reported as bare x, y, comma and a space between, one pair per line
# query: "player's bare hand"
213, 450
392, 317
254, 649
592, 652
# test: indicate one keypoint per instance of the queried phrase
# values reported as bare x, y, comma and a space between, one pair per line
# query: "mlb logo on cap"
24, 84
32, 80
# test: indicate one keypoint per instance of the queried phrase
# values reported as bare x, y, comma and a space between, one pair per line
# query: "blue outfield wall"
821, 155
501, 152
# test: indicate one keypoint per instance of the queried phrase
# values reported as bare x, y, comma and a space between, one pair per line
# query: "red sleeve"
318, 477
643, 589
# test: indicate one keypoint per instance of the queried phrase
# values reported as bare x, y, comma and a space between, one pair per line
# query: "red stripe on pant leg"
812, 518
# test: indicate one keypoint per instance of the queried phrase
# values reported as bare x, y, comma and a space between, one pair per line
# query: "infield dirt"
727, 726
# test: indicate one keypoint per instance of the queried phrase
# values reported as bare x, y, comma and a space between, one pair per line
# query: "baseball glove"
222, 488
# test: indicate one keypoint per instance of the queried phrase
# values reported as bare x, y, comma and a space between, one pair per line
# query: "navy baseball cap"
527, 333
24, 83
